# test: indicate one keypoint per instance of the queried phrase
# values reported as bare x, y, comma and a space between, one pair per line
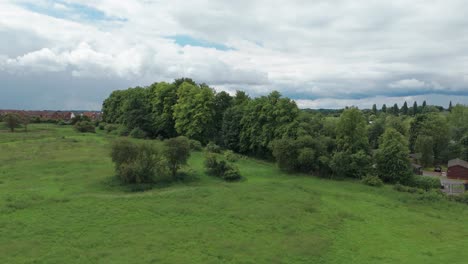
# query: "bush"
230, 156
221, 169
195, 145
213, 148
122, 131
177, 152
425, 183
372, 180
102, 126
402, 188
139, 162
85, 127
463, 198
138, 133
61, 123
431, 196
110, 128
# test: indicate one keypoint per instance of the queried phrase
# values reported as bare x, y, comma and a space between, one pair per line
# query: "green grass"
60, 204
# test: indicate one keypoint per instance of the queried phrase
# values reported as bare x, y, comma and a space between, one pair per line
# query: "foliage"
352, 165
176, 152
12, 121
138, 162
194, 111
79, 118
195, 145
231, 156
231, 127
163, 98
213, 148
391, 159
266, 118
221, 169
424, 146
425, 183
85, 127
109, 128
351, 131
138, 133
372, 180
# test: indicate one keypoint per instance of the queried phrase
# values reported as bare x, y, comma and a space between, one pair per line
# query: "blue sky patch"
70, 11
185, 40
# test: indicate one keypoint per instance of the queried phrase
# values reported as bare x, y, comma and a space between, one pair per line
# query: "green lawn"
60, 204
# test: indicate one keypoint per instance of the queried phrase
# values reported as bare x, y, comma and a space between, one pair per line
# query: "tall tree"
391, 159
222, 102
351, 131
266, 118
404, 109
425, 148
176, 152
450, 107
458, 120
384, 108
137, 109
415, 108
424, 104
194, 111
374, 109
163, 98
395, 109
231, 127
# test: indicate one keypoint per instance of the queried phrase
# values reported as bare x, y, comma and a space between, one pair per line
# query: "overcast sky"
324, 54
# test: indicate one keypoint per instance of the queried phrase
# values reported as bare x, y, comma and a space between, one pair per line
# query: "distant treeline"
339, 143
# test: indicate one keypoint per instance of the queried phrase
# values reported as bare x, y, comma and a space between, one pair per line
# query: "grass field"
59, 204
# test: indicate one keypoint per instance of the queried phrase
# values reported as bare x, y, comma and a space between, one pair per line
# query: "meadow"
60, 203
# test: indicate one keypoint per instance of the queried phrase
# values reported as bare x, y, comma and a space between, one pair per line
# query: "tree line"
348, 143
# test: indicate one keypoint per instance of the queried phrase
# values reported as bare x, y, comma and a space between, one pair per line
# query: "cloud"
317, 51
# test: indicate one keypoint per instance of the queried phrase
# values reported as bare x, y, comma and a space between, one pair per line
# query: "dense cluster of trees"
342, 143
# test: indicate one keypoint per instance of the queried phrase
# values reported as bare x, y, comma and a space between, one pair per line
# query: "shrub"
431, 196
230, 156
425, 183
139, 162
123, 131
463, 198
213, 148
177, 152
195, 145
111, 127
102, 126
372, 180
85, 127
61, 123
138, 133
221, 169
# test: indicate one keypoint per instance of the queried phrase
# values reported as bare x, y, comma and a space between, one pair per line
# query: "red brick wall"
457, 172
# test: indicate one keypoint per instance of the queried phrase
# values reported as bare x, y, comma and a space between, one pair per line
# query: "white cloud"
338, 49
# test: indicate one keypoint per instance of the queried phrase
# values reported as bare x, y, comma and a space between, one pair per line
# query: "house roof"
458, 162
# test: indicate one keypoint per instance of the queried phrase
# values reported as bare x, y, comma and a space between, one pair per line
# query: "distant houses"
47, 115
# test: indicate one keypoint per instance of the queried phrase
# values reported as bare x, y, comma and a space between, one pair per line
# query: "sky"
67, 54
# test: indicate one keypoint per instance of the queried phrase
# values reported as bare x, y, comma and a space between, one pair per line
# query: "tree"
231, 127
137, 109
415, 108
424, 104
176, 152
222, 102
450, 107
265, 119
433, 125
392, 163
404, 109
374, 109
458, 120
351, 131
424, 146
12, 121
194, 111
395, 109
376, 129
163, 98
25, 120
384, 108
353, 165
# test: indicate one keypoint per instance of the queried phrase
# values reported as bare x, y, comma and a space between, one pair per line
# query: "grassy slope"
57, 206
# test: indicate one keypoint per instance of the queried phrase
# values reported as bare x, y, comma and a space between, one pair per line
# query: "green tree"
424, 104
222, 102
450, 107
395, 109
384, 108
137, 109
163, 97
231, 127
458, 120
415, 108
351, 131
352, 165
392, 163
12, 121
424, 147
194, 111
374, 109
376, 129
176, 152
404, 109
266, 118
